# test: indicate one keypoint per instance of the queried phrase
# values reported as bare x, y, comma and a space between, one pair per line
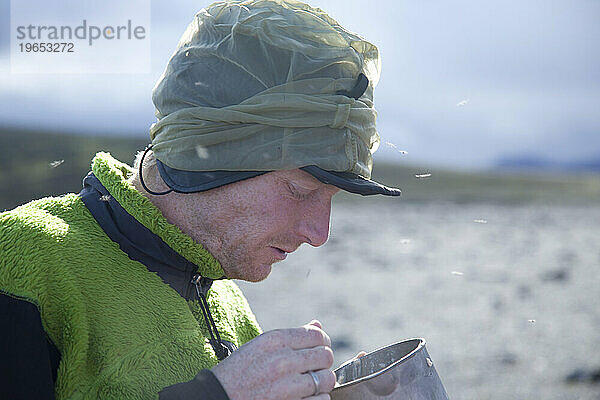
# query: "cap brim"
350, 182
200, 181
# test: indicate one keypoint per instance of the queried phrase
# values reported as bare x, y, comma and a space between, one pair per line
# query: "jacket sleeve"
29, 360
204, 386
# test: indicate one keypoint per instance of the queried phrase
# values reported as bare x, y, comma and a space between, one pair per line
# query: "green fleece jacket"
121, 331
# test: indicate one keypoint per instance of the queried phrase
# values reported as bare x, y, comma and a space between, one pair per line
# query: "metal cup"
402, 370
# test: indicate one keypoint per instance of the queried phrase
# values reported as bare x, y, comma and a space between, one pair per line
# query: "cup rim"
420, 345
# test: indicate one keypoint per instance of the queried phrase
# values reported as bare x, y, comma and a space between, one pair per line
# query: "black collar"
140, 244
137, 241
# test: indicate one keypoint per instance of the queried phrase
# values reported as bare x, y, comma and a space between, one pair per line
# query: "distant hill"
498, 187
38, 164
26, 159
541, 164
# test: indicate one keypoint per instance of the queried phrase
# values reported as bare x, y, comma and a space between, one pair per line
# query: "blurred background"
489, 122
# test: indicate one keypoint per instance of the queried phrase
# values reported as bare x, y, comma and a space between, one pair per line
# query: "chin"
257, 274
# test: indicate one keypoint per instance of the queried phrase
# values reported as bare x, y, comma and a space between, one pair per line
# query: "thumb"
360, 354
316, 323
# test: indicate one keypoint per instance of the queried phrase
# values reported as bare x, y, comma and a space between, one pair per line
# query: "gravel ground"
507, 297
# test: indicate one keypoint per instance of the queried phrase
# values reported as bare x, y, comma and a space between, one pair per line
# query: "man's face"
251, 224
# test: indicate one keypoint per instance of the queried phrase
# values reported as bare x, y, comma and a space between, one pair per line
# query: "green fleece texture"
121, 331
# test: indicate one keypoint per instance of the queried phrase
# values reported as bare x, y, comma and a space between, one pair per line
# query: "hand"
274, 365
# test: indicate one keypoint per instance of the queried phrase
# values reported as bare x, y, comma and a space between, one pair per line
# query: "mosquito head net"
262, 85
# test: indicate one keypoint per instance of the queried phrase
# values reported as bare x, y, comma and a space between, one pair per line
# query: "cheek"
275, 223
259, 221
284, 213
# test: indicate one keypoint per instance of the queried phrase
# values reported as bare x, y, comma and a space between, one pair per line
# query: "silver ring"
315, 379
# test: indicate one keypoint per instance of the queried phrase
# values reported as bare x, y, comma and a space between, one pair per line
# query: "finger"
313, 359
360, 354
326, 380
316, 323
306, 337
303, 385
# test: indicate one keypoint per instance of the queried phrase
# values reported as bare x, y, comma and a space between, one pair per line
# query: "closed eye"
298, 193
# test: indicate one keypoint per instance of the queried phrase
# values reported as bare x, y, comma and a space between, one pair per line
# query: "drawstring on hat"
142, 175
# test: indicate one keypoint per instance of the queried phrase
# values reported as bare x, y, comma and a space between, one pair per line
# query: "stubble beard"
243, 264
238, 260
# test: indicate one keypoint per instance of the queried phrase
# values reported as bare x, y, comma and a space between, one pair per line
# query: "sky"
463, 83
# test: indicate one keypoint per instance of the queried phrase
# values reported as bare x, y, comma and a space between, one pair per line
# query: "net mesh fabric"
252, 86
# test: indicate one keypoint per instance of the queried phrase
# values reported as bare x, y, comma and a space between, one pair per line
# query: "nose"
314, 223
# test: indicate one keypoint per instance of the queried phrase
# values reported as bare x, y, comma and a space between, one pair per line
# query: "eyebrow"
317, 183
307, 179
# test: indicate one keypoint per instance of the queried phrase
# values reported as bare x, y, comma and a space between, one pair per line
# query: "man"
122, 291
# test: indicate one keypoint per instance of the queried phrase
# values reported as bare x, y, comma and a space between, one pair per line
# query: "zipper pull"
202, 285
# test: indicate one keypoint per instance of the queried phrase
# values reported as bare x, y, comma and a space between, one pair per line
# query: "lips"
279, 254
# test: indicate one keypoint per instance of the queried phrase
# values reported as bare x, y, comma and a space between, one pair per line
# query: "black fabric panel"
199, 181
205, 385
137, 241
28, 359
